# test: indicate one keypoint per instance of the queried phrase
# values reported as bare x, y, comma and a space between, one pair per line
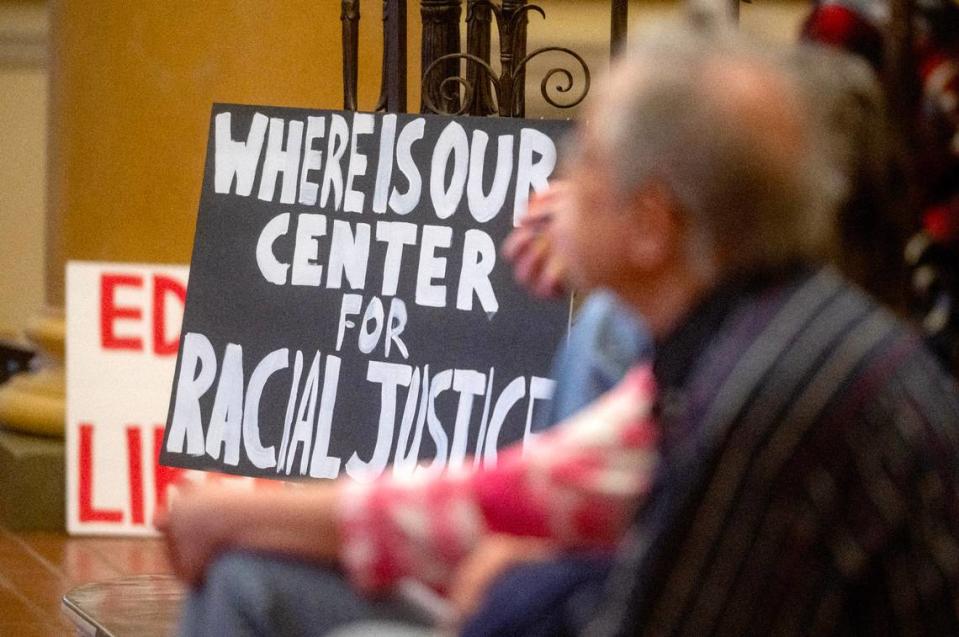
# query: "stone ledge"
32, 486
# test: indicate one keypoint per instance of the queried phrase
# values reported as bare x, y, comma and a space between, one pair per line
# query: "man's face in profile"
589, 230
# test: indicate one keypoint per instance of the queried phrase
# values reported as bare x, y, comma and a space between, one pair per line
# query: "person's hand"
204, 521
195, 526
536, 264
495, 555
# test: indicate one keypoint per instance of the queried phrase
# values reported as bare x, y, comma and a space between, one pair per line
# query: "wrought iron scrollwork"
441, 38
393, 78
619, 16
449, 84
469, 94
568, 79
350, 17
479, 21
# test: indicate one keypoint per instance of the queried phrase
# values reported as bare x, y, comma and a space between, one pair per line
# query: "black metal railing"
480, 88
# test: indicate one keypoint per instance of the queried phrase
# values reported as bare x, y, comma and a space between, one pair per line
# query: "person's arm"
576, 485
580, 482
207, 520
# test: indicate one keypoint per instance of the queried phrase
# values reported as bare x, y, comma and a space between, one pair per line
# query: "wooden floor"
37, 568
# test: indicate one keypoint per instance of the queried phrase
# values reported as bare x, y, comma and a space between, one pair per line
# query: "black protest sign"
347, 307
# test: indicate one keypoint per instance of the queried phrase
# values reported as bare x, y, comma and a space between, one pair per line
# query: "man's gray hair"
875, 218
751, 203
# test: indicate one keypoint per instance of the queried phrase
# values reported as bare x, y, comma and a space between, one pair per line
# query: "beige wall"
134, 82
23, 105
775, 20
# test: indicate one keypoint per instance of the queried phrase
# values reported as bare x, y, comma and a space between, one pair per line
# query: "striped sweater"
809, 478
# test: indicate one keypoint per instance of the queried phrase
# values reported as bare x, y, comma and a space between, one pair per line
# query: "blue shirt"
606, 339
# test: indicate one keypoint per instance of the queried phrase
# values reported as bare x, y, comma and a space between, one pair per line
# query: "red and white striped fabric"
576, 485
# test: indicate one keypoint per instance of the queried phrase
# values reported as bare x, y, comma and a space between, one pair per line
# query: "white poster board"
123, 330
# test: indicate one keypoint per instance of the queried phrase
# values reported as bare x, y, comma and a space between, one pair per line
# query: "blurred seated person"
920, 202
802, 476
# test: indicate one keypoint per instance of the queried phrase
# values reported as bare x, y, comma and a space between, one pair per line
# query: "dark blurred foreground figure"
804, 428
810, 443
841, 93
807, 481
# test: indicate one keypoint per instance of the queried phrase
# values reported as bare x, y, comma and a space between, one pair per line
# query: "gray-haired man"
810, 443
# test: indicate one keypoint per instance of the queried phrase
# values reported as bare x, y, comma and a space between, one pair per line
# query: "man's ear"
654, 224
